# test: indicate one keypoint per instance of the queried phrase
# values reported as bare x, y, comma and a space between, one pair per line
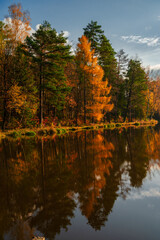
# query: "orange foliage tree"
12, 32
19, 22
153, 97
6, 60
16, 99
96, 101
101, 152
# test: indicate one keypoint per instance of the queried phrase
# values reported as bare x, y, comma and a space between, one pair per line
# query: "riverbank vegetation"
59, 130
44, 84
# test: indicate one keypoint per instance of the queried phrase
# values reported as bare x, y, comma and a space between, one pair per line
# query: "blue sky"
133, 25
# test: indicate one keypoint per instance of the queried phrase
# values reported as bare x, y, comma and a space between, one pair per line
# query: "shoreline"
50, 131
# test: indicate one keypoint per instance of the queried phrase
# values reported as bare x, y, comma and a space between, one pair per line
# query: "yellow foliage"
98, 101
153, 96
16, 99
19, 22
102, 151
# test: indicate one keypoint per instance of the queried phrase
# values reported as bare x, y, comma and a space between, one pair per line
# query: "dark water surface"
86, 185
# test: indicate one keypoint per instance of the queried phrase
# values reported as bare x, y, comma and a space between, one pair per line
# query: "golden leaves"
16, 99
19, 22
98, 101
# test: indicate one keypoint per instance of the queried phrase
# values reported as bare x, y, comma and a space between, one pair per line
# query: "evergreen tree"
108, 62
93, 32
122, 64
107, 59
23, 77
122, 61
103, 49
49, 53
136, 90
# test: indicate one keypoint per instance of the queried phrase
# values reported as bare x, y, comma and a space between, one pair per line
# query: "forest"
43, 82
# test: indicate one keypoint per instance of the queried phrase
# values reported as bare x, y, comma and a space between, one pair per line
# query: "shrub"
118, 124
30, 134
137, 124
14, 134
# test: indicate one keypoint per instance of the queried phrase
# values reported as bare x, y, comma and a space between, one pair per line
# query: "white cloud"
145, 193
149, 41
155, 67
9, 21
158, 18
66, 33
38, 26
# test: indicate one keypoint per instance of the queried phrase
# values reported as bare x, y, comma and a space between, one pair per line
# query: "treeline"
43, 83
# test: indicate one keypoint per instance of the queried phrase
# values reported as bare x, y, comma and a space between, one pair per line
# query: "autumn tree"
101, 101
24, 78
12, 32
153, 98
19, 22
6, 65
99, 165
95, 91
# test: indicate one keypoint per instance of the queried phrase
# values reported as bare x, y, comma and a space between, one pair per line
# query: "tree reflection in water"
43, 180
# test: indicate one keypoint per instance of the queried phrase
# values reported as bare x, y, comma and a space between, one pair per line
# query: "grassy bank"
50, 131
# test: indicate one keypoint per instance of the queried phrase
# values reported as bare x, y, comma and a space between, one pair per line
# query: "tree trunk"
84, 92
129, 100
41, 98
4, 100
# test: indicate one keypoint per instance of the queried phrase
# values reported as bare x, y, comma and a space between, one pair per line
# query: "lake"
102, 184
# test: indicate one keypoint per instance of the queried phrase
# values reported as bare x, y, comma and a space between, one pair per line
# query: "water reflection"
43, 181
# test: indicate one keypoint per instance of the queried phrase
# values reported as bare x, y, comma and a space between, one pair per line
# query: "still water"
86, 185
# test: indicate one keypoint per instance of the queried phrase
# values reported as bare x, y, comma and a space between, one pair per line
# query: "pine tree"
49, 53
93, 32
136, 90
23, 77
108, 62
122, 64
122, 61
